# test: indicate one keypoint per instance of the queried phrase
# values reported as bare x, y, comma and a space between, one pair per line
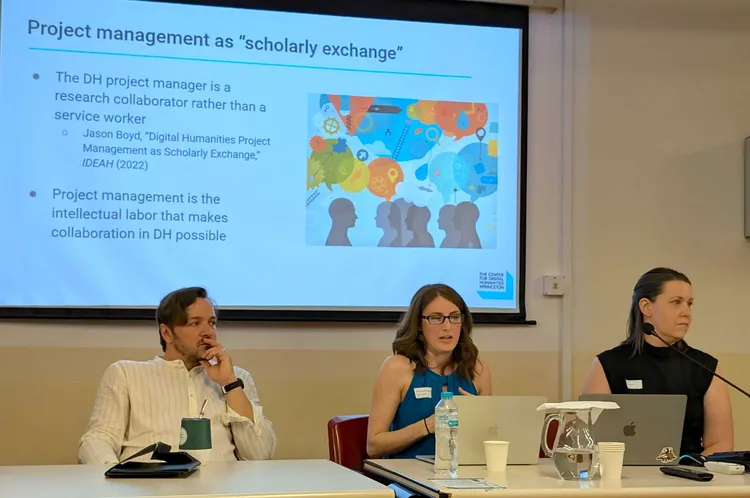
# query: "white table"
272, 478
542, 481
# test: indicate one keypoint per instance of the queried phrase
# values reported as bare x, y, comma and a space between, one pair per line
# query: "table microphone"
648, 329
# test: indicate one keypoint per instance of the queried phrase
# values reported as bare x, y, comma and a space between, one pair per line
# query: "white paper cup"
611, 444
611, 456
496, 455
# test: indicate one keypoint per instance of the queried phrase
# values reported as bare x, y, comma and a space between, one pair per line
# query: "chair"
347, 446
347, 440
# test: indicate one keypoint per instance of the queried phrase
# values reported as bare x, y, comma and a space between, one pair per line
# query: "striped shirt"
142, 402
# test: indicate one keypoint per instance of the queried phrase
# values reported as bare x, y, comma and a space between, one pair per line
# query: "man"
140, 403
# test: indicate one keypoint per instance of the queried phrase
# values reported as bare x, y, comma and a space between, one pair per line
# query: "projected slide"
282, 160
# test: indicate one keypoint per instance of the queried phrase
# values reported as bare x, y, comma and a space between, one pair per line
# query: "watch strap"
233, 385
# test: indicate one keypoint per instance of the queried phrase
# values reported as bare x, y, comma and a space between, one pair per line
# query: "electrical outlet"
554, 285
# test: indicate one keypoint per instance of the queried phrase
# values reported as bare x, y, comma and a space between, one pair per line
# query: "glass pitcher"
574, 453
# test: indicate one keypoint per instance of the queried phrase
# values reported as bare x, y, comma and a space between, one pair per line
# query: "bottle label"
453, 423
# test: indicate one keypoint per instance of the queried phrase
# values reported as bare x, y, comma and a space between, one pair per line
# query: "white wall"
660, 114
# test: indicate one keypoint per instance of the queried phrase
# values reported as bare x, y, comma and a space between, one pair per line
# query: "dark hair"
409, 340
649, 286
172, 310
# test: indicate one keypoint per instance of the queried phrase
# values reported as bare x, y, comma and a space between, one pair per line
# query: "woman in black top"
644, 365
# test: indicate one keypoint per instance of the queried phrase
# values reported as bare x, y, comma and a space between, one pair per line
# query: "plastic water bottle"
446, 436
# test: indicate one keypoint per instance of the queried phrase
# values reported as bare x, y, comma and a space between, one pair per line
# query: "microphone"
648, 329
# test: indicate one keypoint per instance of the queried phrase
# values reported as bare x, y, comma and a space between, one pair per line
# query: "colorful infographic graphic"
395, 172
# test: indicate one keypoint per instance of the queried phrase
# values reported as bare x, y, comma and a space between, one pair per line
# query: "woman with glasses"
433, 352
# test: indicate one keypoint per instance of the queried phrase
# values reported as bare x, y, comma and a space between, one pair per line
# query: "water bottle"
446, 436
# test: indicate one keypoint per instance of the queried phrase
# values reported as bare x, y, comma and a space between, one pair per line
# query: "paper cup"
611, 456
496, 455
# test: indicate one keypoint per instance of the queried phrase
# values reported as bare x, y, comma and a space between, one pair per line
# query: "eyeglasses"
439, 319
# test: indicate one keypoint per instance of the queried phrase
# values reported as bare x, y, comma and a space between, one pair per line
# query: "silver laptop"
498, 418
650, 425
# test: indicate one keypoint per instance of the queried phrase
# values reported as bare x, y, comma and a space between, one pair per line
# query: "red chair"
347, 446
347, 440
551, 434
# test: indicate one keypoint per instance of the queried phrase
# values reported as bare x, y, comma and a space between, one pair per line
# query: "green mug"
195, 434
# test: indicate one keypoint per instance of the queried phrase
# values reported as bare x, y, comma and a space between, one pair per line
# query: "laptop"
650, 425
498, 418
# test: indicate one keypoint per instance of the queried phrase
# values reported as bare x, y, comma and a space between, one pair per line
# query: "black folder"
177, 464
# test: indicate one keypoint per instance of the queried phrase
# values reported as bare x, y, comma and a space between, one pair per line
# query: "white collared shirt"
142, 402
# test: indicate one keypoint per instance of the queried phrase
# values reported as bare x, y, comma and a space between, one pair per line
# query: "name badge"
422, 392
634, 384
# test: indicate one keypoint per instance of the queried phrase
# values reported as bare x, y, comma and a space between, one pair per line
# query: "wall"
305, 374
661, 110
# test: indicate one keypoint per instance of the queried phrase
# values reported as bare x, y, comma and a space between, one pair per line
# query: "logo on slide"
497, 286
629, 430
183, 436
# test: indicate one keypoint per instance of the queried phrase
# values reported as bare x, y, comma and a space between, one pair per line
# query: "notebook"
178, 464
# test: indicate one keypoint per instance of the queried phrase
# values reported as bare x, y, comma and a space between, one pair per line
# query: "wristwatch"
233, 385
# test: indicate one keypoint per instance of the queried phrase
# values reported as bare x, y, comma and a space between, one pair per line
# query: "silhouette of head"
466, 216
381, 215
403, 209
342, 212
394, 216
417, 218
445, 217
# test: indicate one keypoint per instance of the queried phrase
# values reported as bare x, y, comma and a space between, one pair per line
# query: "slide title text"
301, 46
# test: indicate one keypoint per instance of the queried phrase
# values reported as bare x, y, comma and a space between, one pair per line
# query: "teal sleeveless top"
419, 403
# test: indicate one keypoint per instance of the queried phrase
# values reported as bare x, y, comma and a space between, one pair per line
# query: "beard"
189, 354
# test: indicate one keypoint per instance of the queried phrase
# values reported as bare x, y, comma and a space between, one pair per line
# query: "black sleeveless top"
664, 371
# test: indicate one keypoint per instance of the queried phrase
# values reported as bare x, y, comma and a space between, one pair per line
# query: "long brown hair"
410, 341
649, 286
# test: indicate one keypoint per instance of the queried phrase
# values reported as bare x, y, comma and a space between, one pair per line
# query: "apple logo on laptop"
629, 430
494, 431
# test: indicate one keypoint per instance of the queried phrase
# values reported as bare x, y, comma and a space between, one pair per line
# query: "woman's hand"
463, 392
